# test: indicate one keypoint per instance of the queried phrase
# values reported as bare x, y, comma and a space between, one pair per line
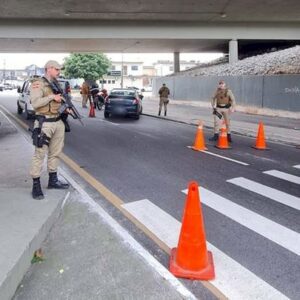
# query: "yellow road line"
102, 189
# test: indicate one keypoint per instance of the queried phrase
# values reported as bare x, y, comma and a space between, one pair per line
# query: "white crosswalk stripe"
268, 192
297, 166
232, 279
284, 176
275, 232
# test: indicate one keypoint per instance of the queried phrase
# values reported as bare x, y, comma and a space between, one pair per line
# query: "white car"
23, 102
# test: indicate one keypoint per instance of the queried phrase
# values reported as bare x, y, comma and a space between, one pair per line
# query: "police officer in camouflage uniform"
223, 102
85, 93
164, 93
46, 105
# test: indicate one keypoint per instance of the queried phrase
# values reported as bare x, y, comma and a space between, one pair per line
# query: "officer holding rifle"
223, 104
49, 129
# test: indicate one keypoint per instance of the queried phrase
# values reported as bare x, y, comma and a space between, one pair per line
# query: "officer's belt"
223, 105
45, 119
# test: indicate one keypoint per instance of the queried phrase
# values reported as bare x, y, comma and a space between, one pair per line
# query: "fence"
272, 91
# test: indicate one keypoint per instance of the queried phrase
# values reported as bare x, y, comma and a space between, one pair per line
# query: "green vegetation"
89, 66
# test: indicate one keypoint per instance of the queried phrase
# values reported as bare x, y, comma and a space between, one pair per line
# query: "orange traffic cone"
191, 259
199, 143
260, 139
92, 111
223, 141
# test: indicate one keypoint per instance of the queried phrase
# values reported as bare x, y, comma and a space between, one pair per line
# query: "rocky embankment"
280, 62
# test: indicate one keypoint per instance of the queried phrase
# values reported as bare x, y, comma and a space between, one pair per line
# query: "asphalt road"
149, 159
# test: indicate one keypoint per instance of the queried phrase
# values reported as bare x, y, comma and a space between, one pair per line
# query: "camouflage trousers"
85, 98
163, 102
225, 112
56, 132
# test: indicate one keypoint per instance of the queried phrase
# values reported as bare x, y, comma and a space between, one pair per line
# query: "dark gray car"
123, 102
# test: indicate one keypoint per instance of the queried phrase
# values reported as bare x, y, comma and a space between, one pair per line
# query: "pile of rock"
281, 62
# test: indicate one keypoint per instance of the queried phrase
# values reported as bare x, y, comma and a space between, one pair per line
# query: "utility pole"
4, 65
122, 69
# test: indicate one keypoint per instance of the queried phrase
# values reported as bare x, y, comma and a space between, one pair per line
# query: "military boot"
229, 138
165, 112
214, 138
159, 112
37, 192
54, 183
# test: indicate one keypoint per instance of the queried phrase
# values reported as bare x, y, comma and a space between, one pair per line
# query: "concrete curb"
21, 263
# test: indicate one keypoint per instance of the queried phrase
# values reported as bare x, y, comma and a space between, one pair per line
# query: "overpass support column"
233, 51
176, 62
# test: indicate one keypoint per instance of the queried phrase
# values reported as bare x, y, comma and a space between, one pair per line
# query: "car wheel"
99, 105
137, 117
106, 115
20, 110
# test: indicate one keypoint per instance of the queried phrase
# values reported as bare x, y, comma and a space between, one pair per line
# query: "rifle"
215, 112
67, 102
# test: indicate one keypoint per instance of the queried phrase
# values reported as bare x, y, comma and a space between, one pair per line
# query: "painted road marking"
275, 232
232, 279
227, 158
284, 176
266, 191
297, 166
220, 156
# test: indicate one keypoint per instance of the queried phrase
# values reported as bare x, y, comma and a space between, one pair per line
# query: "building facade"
132, 75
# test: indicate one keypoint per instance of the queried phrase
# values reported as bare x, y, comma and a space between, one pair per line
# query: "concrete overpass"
146, 26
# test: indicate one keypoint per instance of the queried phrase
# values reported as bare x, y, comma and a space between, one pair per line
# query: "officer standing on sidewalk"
223, 103
49, 129
164, 93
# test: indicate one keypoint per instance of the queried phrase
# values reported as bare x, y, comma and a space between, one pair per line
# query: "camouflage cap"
52, 63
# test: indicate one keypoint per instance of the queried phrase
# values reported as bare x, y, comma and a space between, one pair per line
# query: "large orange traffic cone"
191, 259
199, 143
260, 139
92, 111
223, 141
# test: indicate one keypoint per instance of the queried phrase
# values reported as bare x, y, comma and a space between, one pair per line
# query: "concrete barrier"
273, 91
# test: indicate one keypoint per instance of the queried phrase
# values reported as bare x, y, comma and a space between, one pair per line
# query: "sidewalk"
88, 255
191, 112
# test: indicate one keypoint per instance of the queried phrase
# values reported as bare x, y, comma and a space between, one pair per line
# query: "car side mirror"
19, 90
141, 96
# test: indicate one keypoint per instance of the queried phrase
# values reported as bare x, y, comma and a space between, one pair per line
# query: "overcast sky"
22, 60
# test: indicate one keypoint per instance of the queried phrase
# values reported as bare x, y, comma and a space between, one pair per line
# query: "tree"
89, 66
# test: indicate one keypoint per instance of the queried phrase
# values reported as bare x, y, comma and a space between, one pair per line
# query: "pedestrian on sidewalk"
49, 130
223, 104
85, 93
164, 93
